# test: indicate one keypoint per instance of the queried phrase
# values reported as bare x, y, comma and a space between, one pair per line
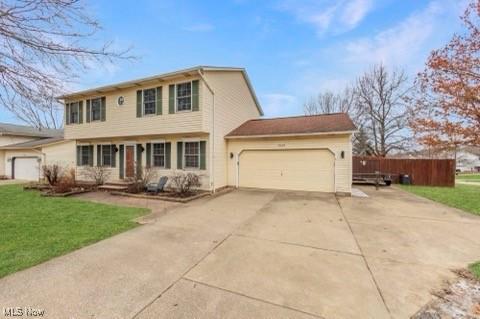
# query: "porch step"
119, 183
109, 187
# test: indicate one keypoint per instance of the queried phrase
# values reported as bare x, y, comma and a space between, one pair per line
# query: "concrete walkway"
259, 254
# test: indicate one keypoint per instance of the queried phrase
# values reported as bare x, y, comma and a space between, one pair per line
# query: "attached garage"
305, 153
295, 169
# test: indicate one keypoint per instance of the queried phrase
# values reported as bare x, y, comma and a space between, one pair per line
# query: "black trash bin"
405, 179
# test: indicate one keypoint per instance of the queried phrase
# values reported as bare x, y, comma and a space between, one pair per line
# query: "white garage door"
305, 170
27, 169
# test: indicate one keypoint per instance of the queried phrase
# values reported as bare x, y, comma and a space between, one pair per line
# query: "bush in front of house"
52, 173
98, 174
143, 176
183, 183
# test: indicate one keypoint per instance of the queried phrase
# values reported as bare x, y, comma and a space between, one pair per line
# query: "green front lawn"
475, 269
465, 197
468, 177
34, 229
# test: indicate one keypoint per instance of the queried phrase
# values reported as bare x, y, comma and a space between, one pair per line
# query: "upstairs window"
184, 96
96, 109
192, 155
158, 154
149, 101
74, 113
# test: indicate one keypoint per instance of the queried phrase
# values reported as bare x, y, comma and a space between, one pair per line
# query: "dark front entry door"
130, 161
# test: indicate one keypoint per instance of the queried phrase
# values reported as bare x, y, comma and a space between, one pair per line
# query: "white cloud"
407, 43
277, 104
200, 27
355, 11
324, 16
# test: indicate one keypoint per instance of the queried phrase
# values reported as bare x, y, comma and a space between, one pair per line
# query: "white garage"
26, 168
294, 169
303, 153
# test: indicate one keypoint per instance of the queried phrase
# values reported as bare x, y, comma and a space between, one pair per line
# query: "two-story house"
205, 120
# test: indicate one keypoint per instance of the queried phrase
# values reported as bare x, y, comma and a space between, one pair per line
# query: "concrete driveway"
259, 254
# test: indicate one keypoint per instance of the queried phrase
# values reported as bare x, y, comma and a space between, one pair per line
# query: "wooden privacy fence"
430, 172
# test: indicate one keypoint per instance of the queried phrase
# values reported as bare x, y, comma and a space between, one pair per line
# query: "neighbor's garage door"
26, 168
305, 170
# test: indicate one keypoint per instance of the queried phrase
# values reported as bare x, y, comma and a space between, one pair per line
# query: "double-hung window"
192, 155
107, 155
96, 109
86, 155
74, 113
184, 96
158, 155
149, 101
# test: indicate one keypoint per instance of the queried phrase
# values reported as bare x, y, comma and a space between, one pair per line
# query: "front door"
130, 161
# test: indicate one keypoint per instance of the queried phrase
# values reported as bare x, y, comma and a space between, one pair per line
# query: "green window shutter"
171, 98
114, 155
67, 113
149, 154
168, 155
179, 155
99, 155
159, 100
88, 111
90, 155
80, 112
203, 155
139, 159
121, 165
103, 110
79, 154
139, 103
195, 102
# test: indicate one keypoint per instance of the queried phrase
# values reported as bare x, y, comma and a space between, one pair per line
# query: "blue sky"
292, 49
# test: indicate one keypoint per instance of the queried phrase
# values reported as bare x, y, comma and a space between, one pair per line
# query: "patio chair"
157, 187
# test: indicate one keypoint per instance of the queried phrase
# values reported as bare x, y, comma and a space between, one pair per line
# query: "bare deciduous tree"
44, 46
329, 102
380, 99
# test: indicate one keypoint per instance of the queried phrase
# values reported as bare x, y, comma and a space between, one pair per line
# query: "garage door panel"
27, 169
309, 170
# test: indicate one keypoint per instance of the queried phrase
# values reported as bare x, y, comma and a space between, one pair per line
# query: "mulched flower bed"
166, 196
460, 299
47, 190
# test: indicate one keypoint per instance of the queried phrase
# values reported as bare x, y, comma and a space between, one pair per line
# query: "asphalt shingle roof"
323, 123
22, 130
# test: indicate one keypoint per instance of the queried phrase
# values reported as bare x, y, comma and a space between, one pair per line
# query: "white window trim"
70, 114
91, 109
184, 162
143, 102
112, 154
191, 98
81, 153
152, 155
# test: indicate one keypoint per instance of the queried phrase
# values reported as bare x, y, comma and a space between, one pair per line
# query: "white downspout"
212, 131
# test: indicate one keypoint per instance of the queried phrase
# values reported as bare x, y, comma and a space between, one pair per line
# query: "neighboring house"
206, 120
20, 150
468, 159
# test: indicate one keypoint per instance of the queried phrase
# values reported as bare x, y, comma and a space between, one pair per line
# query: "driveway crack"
364, 258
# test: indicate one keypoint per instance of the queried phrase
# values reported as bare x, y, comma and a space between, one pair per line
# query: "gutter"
212, 131
290, 135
